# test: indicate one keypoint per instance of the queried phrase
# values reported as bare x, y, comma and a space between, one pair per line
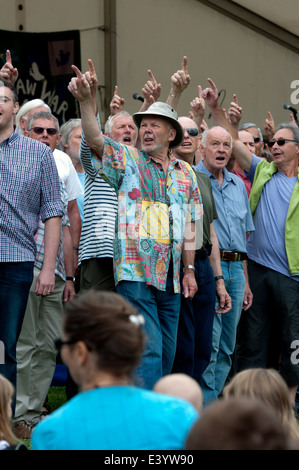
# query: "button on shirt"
234, 217
29, 189
152, 212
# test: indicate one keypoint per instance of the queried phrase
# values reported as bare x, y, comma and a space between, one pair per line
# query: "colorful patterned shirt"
152, 212
29, 189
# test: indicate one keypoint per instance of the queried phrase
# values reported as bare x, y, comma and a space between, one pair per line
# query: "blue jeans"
15, 282
194, 340
224, 332
161, 312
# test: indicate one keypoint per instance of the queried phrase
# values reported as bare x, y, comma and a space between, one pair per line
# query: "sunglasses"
40, 130
192, 131
58, 342
280, 142
256, 140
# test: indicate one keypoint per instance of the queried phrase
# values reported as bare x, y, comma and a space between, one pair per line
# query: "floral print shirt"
152, 212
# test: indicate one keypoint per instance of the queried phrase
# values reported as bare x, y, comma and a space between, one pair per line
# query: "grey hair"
110, 120
204, 135
66, 131
291, 127
42, 115
27, 107
250, 124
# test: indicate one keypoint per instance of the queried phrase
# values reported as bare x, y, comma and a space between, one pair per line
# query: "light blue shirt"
117, 418
266, 245
234, 217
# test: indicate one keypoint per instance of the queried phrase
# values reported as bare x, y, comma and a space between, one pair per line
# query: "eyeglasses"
4, 99
192, 131
256, 140
280, 142
40, 130
60, 342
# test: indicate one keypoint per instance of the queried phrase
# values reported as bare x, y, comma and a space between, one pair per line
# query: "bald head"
181, 386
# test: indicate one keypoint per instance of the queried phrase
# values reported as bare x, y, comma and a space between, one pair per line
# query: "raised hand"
151, 90
79, 86
117, 103
198, 105
269, 126
210, 94
180, 79
8, 72
235, 112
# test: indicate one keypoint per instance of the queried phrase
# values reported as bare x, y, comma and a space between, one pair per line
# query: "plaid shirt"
39, 238
152, 212
29, 189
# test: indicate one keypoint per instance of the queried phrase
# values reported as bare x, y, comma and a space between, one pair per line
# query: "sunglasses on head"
192, 131
40, 130
280, 142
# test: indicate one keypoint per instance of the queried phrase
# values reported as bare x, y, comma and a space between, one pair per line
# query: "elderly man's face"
124, 130
155, 134
45, 131
247, 140
218, 149
190, 143
285, 154
257, 139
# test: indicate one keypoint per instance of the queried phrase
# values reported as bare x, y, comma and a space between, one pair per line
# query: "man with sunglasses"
194, 339
29, 189
273, 265
36, 356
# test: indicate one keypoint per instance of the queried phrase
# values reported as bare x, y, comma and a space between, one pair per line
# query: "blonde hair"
268, 386
6, 395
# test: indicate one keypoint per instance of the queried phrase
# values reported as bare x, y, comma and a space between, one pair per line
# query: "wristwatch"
218, 277
189, 266
70, 278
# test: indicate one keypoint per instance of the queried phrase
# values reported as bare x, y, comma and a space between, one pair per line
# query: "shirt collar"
172, 159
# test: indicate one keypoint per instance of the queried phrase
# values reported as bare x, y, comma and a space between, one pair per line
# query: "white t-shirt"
68, 174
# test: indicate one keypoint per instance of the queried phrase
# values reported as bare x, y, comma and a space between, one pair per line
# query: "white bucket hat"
164, 110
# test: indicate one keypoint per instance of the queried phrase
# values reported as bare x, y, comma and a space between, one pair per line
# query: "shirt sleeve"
51, 204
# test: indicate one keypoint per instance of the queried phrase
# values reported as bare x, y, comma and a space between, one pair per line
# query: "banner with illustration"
44, 64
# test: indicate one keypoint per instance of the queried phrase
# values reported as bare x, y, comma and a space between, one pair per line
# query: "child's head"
6, 396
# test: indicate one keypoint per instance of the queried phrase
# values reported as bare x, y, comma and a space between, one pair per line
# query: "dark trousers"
270, 328
194, 339
15, 282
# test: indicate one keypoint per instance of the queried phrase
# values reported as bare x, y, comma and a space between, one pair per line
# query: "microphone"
287, 106
138, 97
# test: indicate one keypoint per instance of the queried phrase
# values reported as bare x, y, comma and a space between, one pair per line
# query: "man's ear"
26, 133
172, 135
16, 107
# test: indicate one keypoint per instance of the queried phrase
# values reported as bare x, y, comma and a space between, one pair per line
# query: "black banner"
44, 64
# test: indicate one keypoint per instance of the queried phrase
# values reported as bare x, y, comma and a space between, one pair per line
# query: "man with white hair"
232, 226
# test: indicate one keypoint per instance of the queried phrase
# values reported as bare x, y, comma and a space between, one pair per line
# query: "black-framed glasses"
280, 142
256, 140
192, 131
40, 130
60, 342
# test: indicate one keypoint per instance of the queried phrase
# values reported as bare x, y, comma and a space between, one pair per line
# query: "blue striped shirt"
29, 189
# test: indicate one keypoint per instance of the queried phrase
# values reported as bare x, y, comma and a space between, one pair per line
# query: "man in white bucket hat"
158, 204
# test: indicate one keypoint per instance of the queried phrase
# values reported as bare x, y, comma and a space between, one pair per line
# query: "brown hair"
238, 424
109, 326
6, 395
